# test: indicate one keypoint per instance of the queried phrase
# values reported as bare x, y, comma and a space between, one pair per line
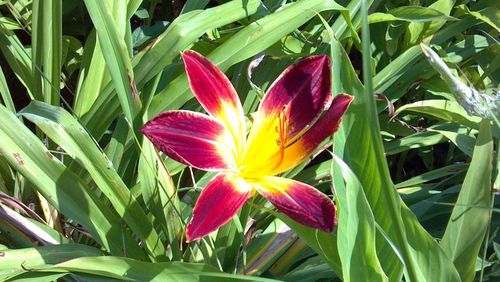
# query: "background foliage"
83, 196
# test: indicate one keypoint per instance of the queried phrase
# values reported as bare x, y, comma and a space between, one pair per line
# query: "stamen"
281, 141
276, 158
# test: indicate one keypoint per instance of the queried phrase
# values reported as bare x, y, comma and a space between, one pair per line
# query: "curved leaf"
129, 269
356, 230
60, 186
64, 130
471, 215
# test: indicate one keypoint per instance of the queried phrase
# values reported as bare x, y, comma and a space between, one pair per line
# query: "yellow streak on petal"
239, 183
292, 156
265, 140
242, 185
271, 184
279, 161
226, 148
233, 119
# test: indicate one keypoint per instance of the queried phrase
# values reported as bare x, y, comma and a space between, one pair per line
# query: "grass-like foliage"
412, 168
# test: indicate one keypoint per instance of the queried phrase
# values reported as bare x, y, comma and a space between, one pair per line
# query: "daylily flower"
294, 117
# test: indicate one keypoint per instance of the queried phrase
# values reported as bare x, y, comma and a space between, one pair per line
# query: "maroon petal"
219, 201
292, 104
193, 139
322, 129
299, 201
301, 92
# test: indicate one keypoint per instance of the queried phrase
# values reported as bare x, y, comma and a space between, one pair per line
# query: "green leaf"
246, 43
356, 230
72, 54
5, 93
363, 152
413, 141
471, 214
46, 49
464, 142
192, 5
117, 58
362, 159
441, 109
311, 270
128, 269
433, 175
409, 14
117, 145
489, 15
142, 13
159, 194
33, 229
64, 130
9, 23
263, 252
93, 75
62, 188
404, 70
417, 31
35, 277
474, 102
145, 33
18, 59
435, 134
15, 262
324, 244
181, 33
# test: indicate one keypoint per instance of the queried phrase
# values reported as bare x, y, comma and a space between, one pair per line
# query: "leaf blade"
471, 214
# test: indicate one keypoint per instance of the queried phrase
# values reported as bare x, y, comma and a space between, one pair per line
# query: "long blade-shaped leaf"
116, 56
182, 32
62, 188
364, 153
442, 109
160, 194
471, 215
129, 269
47, 48
5, 93
15, 262
325, 245
356, 230
26, 226
63, 129
246, 43
95, 73
18, 59
361, 158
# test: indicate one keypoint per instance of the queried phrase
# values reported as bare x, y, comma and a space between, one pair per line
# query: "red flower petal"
302, 91
215, 93
191, 138
322, 129
221, 199
299, 201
